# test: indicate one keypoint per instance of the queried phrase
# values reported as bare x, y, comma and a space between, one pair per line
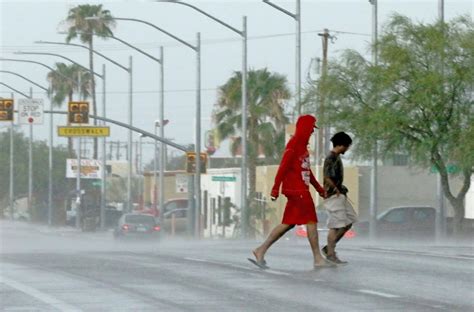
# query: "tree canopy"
418, 100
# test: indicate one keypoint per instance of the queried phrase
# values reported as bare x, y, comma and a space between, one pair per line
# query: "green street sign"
451, 169
97, 183
223, 179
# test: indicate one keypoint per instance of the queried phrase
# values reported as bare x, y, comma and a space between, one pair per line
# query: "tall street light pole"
130, 75
441, 10
103, 185
155, 169
197, 49
297, 17
140, 170
158, 124
104, 155
30, 155
243, 34
162, 146
374, 171
30, 165
102, 76
50, 148
441, 218
79, 210
130, 134
30, 142
12, 183
160, 61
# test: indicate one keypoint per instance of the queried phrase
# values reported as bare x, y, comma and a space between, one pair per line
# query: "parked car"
177, 208
402, 222
137, 225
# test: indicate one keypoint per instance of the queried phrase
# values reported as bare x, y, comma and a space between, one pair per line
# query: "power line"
149, 91
154, 45
349, 33
142, 91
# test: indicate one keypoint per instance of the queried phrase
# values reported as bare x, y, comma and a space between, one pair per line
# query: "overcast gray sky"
271, 44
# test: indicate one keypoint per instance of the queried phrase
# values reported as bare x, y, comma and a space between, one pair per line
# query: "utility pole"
441, 10
197, 147
441, 217
30, 165
12, 182
374, 171
298, 56
130, 138
50, 160
297, 17
78, 166
323, 137
103, 202
317, 134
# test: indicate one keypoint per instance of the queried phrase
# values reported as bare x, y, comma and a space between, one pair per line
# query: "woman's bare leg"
313, 238
275, 235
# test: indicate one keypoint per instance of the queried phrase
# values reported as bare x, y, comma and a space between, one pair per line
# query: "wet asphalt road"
65, 270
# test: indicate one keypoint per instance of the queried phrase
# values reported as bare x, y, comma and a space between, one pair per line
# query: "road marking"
415, 253
196, 259
44, 297
377, 293
236, 266
277, 272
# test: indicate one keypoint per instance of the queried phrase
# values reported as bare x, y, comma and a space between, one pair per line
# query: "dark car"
137, 225
403, 222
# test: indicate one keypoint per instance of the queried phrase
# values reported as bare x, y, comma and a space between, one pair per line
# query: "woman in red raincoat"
295, 176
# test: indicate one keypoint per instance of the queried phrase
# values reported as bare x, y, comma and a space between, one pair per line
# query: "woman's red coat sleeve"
316, 184
284, 165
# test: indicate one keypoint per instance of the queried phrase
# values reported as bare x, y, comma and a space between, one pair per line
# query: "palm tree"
79, 26
63, 89
266, 118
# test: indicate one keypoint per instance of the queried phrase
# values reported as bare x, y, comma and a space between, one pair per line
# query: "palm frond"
267, 93
62, 88
80, 27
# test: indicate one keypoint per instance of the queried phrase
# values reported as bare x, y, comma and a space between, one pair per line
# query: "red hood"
304, 129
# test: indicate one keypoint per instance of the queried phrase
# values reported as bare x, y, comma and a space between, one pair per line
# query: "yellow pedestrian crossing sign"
83, 131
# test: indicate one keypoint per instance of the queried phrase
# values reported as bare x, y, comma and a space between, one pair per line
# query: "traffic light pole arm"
124, 125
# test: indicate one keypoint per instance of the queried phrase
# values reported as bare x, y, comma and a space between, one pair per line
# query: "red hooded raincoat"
296, 176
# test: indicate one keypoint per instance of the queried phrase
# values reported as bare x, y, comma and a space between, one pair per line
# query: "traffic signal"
78, 112
191, 162
6, 110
